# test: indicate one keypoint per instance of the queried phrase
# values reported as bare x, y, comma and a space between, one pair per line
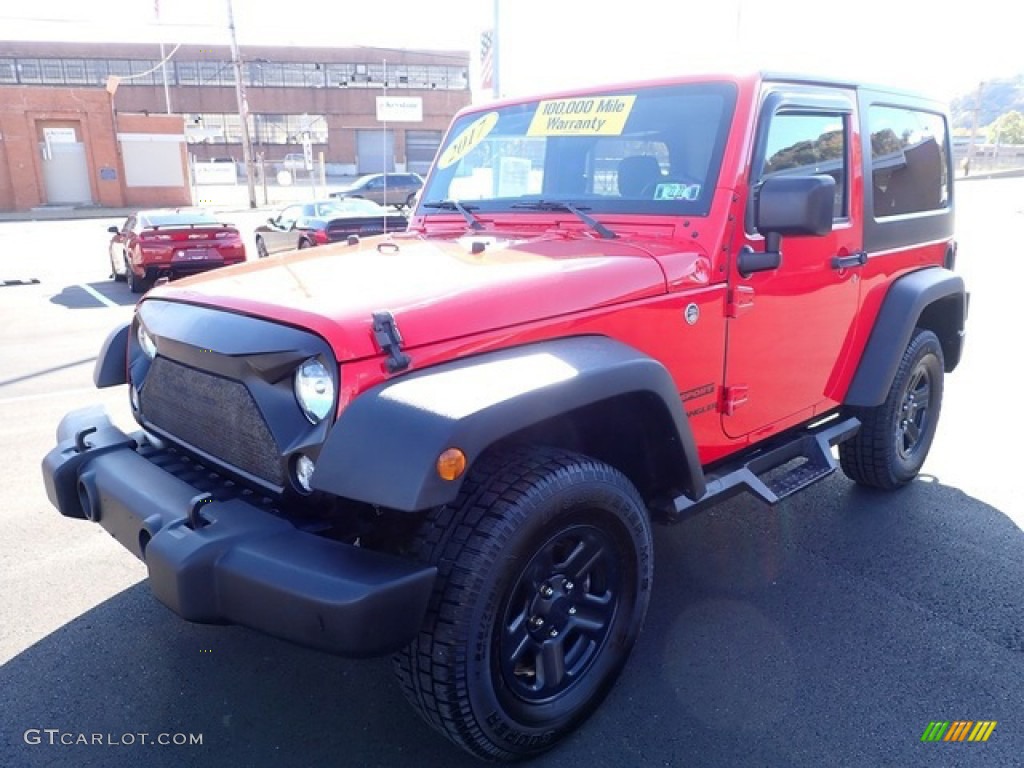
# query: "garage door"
420, 148
375, 151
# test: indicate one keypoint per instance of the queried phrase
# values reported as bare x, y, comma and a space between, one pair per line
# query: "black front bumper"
230, 560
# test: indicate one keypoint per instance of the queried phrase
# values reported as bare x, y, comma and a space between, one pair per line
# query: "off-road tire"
895, 437
544, 574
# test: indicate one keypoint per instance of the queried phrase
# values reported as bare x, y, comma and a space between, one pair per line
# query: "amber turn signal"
451, 464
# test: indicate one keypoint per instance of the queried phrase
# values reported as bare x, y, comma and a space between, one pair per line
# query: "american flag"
487, 60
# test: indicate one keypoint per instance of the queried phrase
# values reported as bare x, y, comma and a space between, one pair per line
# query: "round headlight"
146, 341
314, 390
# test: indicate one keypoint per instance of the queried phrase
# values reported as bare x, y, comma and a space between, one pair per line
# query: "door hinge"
741, 297
733, 398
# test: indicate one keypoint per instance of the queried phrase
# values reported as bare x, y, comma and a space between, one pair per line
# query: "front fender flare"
384, 448
112, 363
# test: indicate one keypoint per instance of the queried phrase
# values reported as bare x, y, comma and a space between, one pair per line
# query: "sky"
551, 44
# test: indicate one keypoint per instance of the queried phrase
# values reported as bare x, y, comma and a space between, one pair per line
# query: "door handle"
858, 259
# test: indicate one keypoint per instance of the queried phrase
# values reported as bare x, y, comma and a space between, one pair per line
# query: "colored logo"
959, 730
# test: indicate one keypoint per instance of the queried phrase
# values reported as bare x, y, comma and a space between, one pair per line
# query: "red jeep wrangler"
612, 306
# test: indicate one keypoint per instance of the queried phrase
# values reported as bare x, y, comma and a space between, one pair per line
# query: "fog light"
304, 467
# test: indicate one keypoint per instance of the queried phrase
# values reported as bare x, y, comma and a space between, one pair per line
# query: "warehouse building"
362, 110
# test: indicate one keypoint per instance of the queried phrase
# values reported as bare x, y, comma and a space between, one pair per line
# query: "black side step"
812, 448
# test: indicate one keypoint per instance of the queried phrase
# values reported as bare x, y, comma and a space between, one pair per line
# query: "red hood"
436, 289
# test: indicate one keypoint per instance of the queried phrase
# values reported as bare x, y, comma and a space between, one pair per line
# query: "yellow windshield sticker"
471, 135
591, 116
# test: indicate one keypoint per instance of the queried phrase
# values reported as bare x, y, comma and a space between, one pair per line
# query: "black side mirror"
791, 206
272, 221
114, 230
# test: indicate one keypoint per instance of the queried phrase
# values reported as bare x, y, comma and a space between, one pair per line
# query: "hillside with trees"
1000, 112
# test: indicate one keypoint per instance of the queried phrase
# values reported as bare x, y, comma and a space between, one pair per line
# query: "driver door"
281, 235
790, 328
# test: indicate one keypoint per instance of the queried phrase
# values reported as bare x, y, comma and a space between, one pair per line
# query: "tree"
1007, 129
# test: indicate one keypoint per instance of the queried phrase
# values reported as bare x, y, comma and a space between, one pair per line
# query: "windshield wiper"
455, 205
561, 205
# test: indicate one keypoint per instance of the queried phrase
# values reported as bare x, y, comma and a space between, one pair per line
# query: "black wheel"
136, 284
304, 243
544, 574
895, 437
261, 248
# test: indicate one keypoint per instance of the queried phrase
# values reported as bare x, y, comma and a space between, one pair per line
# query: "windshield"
642, 150
349, 205
177, 218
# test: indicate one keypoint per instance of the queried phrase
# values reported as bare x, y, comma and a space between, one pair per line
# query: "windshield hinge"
389, 339
733, 397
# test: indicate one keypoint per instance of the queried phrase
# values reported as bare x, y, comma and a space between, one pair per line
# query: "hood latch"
389, 339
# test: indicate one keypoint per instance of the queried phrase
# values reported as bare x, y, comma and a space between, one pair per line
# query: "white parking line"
42, 395
98, 296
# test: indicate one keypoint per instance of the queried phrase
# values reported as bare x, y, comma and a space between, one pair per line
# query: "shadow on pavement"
828, 631
83, 296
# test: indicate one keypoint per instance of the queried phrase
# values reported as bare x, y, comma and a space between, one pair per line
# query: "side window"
809, 144
909, 166
289, 216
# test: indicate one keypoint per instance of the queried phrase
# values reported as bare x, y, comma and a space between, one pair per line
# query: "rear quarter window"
909, 166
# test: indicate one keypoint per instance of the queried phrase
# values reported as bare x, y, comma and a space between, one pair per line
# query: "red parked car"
171, 243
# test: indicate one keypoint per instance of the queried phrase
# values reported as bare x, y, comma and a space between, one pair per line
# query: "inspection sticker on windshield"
591, 116
471, 135
674, 191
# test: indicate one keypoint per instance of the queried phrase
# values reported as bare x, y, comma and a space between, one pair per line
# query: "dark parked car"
385, 188
324, 221
171, 243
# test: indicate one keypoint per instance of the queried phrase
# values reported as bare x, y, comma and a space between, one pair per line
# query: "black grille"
215, 415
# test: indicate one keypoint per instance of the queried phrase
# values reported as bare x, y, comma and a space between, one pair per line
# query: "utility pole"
243, 110
163, 59
974, 129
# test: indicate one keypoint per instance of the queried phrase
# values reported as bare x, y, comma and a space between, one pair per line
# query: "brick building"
363, 109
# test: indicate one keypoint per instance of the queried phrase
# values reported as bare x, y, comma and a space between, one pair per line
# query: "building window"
187, 72
217, 128
28, 71
75, 72
96, 71
215, 73
340, 75
8, 72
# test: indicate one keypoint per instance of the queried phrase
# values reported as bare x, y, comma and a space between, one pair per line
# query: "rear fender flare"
934, 298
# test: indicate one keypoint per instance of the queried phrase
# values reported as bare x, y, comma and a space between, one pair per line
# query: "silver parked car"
398, 189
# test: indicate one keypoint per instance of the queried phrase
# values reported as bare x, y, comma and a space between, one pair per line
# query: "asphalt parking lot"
828, 631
